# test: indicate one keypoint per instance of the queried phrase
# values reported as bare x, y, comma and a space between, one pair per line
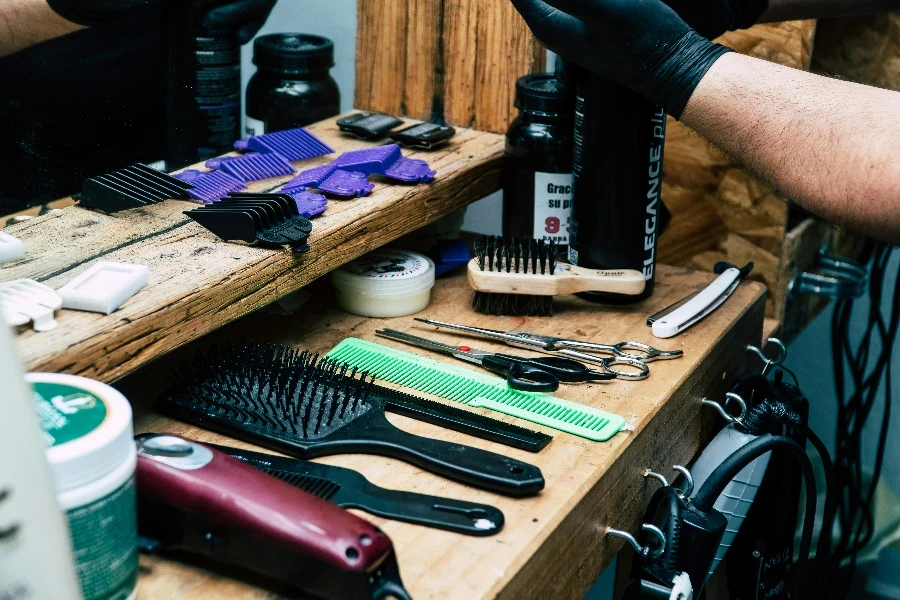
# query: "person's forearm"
831, 146
24, 23
789, 10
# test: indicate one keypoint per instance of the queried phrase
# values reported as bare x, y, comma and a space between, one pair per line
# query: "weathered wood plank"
552, 545
198, 282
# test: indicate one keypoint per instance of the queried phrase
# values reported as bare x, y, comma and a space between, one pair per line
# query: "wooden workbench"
198, 282
552, 545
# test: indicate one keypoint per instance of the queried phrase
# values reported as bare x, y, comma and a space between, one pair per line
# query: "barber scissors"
523, 374
633, 355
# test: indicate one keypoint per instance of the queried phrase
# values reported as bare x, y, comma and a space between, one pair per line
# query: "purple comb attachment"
292, 144
309, 178
346, 183
218, 161
309, 203
190, 175
253, 167
210, 187
369, 160
410, 170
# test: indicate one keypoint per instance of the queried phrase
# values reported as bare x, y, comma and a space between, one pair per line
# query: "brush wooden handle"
568, 279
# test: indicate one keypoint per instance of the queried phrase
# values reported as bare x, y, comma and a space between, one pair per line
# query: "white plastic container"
35, 551
91, 450
385, 283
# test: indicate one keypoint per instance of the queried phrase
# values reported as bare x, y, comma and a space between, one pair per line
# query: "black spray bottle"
617, 173
203, 81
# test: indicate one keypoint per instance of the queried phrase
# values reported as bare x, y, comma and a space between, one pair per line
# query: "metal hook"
688, 479
730, 396
779, 358
661, 538
656, 476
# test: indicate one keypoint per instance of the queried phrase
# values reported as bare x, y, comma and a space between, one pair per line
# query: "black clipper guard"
423, 135
131, 187
368, 125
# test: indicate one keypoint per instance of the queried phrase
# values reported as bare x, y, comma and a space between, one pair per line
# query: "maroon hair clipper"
194, 499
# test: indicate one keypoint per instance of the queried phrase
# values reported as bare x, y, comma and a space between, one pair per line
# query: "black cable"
715, 484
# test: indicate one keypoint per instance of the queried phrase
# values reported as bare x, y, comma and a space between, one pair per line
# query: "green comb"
476, 389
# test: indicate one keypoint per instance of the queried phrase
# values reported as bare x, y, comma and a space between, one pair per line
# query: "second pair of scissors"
523, 374
634, 356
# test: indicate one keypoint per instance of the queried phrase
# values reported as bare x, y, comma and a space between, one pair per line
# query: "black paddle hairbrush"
519, 277
292, 402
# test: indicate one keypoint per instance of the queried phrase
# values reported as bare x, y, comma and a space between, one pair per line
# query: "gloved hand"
712, 18
642, 44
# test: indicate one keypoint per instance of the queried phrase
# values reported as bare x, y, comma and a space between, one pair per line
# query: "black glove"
642, 44
712, 18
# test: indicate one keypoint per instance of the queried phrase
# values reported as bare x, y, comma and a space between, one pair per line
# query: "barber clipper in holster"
200, 501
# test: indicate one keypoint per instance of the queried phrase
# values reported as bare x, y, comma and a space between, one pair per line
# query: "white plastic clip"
104, 287
25, 300
11, 248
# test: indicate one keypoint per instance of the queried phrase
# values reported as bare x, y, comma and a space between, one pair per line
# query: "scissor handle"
644, 352
520, 374
565, 369
638, 368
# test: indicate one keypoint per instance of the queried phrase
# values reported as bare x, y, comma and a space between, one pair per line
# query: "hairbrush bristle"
514, 255
272, 386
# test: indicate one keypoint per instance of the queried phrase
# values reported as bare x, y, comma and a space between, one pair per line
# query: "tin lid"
386, 273
293, 53
541, 93
87, 427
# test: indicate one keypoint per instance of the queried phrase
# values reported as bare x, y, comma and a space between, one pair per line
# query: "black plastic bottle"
617, 173
203, 80
537, 193
292, 86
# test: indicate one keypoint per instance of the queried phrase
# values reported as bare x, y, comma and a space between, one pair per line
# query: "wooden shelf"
198, 282
552, 545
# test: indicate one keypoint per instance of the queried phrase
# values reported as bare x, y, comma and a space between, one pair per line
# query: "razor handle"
198, 500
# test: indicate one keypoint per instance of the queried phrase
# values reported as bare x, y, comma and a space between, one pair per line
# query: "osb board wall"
862, 49
456, 60
719, 211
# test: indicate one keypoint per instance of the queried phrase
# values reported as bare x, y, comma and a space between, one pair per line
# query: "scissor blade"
491, 334
470, 356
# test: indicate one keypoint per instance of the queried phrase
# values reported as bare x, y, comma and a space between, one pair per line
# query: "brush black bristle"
272, 386
514, 255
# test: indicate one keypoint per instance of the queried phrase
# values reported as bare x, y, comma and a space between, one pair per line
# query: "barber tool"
196, 499
635, 355
520, 277
11, 248
253, 167
104, 286
209, 186
426, 136
309, 204
131, 187
272, 220
292, 402
476, 389
674, 319
523, 374
290, 144
349, 489
24, 300
368, 125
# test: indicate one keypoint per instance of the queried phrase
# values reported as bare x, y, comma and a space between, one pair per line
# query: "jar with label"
537, 193
292, 86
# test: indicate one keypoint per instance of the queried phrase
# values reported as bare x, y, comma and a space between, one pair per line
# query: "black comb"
292, 402
516, 255
349, 489
464, 421
269, 219
131, 187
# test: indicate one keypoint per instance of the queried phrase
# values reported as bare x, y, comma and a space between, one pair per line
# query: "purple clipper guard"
410, 170
292, 144
369, 160
209, 186
253, 167
218, 161
309, 204
309, 178
346, 183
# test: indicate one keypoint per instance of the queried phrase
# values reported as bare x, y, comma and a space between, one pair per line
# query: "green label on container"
104, 539
67, 412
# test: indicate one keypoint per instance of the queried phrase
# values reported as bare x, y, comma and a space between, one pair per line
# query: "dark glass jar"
537, 192
292, 86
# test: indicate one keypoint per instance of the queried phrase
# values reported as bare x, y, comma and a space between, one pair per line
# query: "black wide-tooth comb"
349, 489
292, 402
514, 255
